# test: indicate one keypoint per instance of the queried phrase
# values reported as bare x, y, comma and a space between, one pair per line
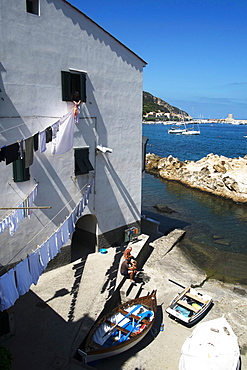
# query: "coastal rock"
163, 208
219, 175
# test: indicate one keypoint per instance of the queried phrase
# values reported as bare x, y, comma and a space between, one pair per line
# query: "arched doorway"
84, 239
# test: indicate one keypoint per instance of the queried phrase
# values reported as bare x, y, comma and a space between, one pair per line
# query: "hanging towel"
59, 242
21, 149
29, 152
65, 231
65, 136
48, 134
13, 223
53, 251
8, 291
11, 152
44, 254
23, 277
35, 267
36, 142
42, 141
71, 226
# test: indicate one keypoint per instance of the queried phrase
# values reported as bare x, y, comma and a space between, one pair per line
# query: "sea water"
216, 228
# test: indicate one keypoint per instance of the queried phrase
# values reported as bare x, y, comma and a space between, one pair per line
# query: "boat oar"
125, 317
174, 282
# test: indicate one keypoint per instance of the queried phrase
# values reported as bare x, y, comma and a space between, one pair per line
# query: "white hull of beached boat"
189, 306
212, 345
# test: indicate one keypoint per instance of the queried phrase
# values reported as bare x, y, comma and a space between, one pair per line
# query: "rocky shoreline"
218, 175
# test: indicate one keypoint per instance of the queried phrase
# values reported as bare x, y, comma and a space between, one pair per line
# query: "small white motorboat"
211, 346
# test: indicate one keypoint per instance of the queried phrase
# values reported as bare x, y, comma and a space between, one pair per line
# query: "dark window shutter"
83, 96
82, 162
20, 173
66, 88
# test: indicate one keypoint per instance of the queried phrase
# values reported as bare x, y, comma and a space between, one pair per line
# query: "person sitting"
127, 253
133, 266
126, 271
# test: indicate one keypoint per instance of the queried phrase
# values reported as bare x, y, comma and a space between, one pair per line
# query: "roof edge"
74, 7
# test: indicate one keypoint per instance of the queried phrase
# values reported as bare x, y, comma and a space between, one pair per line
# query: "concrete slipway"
53, 318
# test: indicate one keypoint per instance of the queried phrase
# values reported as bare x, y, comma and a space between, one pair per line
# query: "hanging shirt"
35, 266
29, 152
23, 277
8, 291
11, 152
52, 246
59, 242
64, 139
44, 254
36, 142
71, 226
42, 141
65, 231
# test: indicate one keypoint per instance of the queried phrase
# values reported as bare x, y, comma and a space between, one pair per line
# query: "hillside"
153, 104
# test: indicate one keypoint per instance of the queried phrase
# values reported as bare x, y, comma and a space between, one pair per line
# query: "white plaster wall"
33, 52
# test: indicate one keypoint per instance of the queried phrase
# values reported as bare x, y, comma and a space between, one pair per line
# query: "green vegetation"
153, 107
6, 359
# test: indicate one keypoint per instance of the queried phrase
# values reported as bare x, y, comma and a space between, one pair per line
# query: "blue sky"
196, 50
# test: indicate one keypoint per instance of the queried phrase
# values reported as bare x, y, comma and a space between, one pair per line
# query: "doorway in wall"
84, 239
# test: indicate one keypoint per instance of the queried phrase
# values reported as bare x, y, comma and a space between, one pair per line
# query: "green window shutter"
66, 86
82, 162
20, 173
83, 96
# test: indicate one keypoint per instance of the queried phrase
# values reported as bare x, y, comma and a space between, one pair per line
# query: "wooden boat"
121, 329
189, 306
212, 345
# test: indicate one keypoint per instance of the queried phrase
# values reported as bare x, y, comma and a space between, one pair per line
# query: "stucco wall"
33, 51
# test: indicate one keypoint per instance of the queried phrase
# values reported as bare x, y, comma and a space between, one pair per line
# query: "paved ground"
53, 317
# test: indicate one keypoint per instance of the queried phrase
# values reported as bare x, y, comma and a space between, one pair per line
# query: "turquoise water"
216, 228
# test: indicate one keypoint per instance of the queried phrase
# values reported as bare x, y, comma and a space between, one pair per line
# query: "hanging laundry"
64, 139
29, 152
13, 223
65, 231
21, 149
11, 153
42, 141
59, 242
48, 134
36, 142
71, 226
2, 156
35, 266
8, 290
23, 277
52, 246
44, 254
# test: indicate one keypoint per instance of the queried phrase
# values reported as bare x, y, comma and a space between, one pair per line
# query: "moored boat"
212, 345
189, 306
177, 130
121, 329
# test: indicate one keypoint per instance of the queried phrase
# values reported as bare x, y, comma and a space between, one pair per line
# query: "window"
73, 86
82, 162
20, 173
32, 6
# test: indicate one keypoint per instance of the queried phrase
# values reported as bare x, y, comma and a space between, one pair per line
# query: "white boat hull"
212, 345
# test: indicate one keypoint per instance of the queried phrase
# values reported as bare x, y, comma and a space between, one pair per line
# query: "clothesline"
17, 281
50, 221
60, 133
24, 209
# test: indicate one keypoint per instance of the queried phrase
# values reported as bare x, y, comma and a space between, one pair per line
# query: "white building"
49, 50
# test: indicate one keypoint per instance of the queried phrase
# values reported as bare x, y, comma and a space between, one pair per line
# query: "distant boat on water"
192, 131
177, 130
